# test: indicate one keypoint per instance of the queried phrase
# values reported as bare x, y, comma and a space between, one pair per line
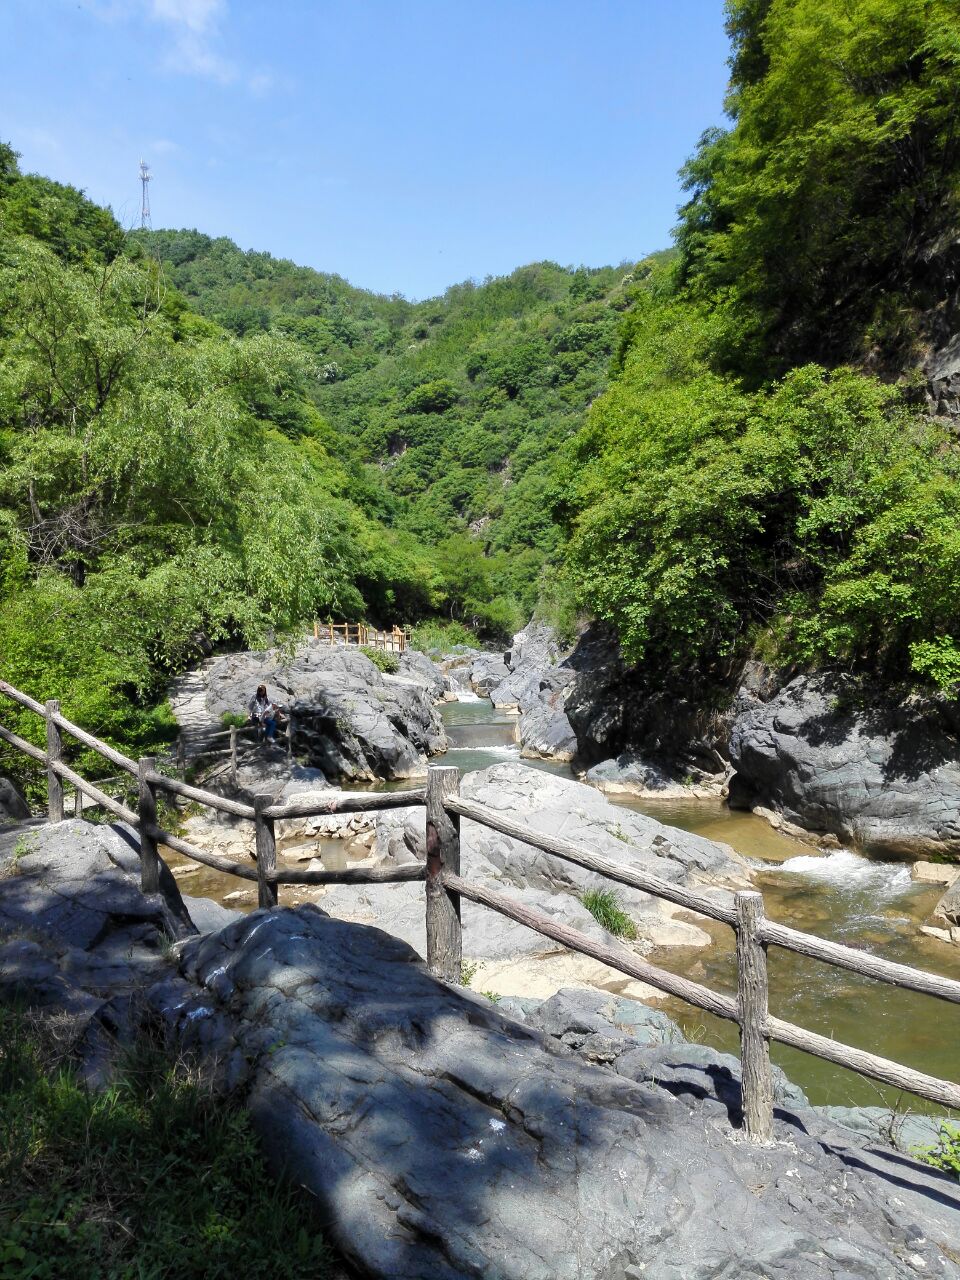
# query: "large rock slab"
886, 779
77, 937
13, 807
554, 806
445, 1140
351, 721
440, 1137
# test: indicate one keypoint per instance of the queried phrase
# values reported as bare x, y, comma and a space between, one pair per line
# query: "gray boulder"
554, 805
946, 913
630, 773
13, 807
544, 731
351, 721
550, 805
444, 1140
78, 939
487, 672
884, 779
418, 669
533, 654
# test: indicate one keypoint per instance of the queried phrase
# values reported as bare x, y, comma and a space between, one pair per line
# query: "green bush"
152, 1179
946, 1154
822, 511
388, 663
443, 636
605, 908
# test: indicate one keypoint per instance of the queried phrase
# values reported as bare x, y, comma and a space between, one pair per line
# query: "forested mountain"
445, 413
747, 485
149, 493
201, 445
723, 451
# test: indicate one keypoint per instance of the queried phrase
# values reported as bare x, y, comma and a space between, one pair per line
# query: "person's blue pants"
270, 728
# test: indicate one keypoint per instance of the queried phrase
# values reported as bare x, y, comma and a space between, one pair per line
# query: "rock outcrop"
884, 779
13, 807
555, 806
443, 1139
351, 721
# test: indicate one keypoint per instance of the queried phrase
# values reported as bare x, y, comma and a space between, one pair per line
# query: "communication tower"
145, 202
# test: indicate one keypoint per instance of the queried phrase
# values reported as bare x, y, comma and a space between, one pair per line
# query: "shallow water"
480, 736
837, 894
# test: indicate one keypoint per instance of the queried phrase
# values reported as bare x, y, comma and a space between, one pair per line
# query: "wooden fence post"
181, 757
146, 818
289, 735
316, 630
757, 1084
54, 753
444, 935
266, 851
233, 756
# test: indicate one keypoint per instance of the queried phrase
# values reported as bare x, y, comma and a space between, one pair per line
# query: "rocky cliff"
443, 1138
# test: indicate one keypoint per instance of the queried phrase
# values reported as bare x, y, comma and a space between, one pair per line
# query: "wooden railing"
358, 633
231, 739
445, 888
754, 934
264, 812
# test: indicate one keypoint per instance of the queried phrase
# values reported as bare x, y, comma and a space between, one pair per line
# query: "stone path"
187, 697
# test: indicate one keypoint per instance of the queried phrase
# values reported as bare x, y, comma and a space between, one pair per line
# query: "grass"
605, 908
946, 1154
152, 1179
388, 663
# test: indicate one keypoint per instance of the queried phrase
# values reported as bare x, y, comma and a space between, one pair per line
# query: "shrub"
946, 1154
605, 908
388, 663
151, 1178
441, 635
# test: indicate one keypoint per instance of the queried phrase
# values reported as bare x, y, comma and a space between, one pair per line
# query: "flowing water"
840, 895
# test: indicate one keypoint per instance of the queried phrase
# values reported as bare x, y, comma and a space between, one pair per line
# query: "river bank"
836, 894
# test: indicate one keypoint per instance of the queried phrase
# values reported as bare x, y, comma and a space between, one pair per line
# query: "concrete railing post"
54, 755
146, 820
756, 1080
444, 935
266, 852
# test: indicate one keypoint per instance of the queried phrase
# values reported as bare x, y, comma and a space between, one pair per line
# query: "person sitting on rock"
264, 713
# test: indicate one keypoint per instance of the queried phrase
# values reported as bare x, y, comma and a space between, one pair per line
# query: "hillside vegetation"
747, 484
446, 413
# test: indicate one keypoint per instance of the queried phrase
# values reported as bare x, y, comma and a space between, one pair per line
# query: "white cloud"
163, 146
198, 16
194, 27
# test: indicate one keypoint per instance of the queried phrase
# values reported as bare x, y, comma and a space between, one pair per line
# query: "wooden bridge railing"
445, 888
393, 641
754, 934
264, 812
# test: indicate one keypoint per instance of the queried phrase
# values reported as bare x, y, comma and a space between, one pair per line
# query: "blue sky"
406, 144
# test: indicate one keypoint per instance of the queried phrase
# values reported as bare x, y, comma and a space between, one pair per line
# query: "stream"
836, 894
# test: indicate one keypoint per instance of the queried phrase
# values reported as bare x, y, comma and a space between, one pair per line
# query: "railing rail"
393, 641
754, 934
445, 887
150, 782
